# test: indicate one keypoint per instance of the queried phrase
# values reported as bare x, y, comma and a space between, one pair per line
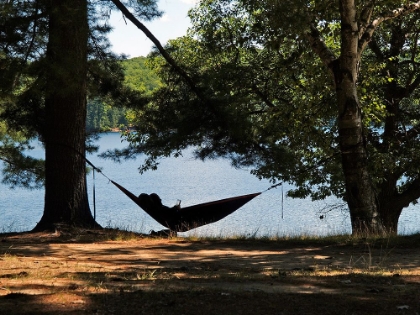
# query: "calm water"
192, 182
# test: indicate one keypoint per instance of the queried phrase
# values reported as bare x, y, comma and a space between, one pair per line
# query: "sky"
128, 39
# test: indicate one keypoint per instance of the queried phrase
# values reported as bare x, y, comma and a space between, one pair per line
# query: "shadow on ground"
49, 274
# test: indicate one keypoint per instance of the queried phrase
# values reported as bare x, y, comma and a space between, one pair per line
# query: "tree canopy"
114, 82
319, 94
139, 76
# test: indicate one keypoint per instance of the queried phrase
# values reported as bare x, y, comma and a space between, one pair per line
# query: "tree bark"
360, 194
66, 200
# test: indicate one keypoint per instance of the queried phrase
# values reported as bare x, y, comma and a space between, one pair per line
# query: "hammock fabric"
184, 219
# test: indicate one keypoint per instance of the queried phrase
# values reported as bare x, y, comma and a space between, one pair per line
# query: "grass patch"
384, 242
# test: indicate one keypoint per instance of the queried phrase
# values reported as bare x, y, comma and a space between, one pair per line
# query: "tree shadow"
176, 276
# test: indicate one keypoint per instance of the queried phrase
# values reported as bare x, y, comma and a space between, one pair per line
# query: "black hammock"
184, 219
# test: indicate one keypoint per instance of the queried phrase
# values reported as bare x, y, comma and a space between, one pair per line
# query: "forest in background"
103, 116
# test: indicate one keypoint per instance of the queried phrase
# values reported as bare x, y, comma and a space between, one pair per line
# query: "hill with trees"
103, 116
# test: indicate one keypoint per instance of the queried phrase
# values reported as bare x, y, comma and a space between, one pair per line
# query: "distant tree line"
102, 116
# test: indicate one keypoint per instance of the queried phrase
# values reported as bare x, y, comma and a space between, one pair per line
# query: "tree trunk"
360, 194
389, 206
66, 200
372, 209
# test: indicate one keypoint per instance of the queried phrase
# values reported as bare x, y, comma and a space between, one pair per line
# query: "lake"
191, 181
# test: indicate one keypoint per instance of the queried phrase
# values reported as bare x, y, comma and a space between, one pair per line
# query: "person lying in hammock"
153, 202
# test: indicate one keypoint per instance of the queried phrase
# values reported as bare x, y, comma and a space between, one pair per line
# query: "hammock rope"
97, 169
94, 195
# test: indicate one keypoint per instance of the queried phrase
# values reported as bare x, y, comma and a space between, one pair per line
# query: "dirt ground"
84, 274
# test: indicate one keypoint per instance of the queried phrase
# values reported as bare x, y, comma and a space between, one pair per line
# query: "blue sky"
128, 39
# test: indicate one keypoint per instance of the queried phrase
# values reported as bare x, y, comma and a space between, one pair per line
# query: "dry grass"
119, 272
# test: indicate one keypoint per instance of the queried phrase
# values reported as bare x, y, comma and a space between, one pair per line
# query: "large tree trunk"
66, 200
372, 209
390, 206
360, 194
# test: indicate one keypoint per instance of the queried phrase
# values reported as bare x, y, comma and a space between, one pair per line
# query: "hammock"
179, 219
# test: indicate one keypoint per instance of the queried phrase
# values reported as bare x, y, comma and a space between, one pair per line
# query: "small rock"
403, 307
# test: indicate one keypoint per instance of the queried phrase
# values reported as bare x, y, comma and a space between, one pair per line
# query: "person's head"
156, 199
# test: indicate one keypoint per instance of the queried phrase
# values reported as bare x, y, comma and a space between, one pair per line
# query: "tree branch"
373, 45
365, 16
414, 85
409, 135
319, 47
159, 46
262, 96
367, 35
410, 194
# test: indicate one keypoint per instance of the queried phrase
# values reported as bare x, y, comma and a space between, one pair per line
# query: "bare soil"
86, 273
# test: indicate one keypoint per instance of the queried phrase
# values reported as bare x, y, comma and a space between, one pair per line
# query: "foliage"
139, 76
19, 169
103, 117
389, 89
263, 107
267, 101
105, 114
23, 42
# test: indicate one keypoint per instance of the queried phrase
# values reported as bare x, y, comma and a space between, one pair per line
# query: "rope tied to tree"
273, 186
